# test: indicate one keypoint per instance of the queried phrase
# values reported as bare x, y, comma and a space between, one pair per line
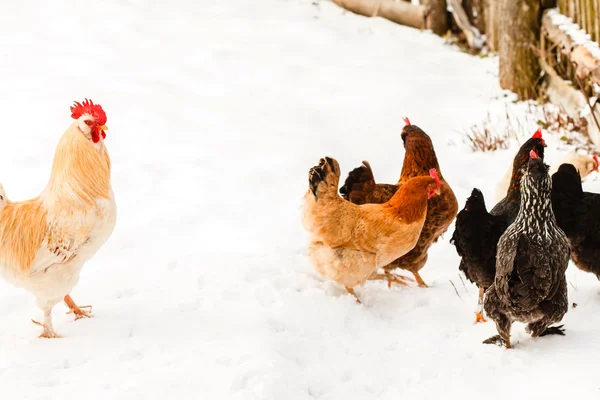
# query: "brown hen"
360, 188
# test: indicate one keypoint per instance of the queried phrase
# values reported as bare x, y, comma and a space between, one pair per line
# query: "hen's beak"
438, 191
103, 128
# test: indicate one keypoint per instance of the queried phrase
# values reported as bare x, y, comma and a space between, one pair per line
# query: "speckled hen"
533, 254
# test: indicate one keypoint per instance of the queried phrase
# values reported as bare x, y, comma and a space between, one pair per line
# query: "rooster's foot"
79, 311
48, 332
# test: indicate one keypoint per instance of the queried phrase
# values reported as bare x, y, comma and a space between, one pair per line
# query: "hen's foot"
420, 280
48, 332
479, 318
79, 311
554, 330
498, 340
351, 291
391, 278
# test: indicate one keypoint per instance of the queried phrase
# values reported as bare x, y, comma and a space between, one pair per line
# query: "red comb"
88, 107
537, 134
433, 173
595, 159
406, 121
533, 154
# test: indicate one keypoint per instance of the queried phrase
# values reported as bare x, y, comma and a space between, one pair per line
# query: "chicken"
420, 157
45, 241
578, 215
349, 242
533, 255
584, 164
476, 232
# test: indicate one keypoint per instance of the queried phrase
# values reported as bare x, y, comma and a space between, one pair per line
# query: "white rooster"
45, 241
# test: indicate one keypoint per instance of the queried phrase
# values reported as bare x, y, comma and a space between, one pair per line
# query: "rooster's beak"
103, 128
438, 191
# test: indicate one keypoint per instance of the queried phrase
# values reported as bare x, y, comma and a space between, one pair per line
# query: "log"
472, 34
518, 44
402, 13
588, 67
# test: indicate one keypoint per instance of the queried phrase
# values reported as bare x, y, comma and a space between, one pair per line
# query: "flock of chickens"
517, 253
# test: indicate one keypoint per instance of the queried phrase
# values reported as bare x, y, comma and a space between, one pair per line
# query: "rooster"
420, 157
583, 163
477, 231
349, 242
533, 255
45, 241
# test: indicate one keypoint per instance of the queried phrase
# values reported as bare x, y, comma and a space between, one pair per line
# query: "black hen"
477, 232
578, 214
533, 255
475, 237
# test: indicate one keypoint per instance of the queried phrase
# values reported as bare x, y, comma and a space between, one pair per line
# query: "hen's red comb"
88, 107
533, 154
595, 159
537, 134
433, 173
406, 121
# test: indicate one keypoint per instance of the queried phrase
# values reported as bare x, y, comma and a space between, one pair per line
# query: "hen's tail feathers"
359, 183
554, 330
324, 178
475, 202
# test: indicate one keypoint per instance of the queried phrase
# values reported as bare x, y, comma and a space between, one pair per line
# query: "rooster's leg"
351, 291
48, 331
479, 314
391, 278
420, 280
77, 310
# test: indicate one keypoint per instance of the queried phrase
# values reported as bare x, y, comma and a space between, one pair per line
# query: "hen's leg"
494, 309
503, 325
48, 331
77, 310
351, 291
420, 280
479, 314
391, 278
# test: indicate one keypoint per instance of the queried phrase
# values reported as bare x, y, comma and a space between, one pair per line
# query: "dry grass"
499, 133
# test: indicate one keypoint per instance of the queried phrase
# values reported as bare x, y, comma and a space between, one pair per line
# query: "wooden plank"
597, 20
588, 13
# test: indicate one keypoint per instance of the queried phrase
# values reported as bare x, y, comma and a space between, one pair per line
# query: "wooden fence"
585, 13
570, 57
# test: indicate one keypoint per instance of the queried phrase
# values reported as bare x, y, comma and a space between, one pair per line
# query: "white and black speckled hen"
477, 231
532, 257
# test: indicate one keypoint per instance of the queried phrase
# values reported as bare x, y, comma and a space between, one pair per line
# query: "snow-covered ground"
216, 112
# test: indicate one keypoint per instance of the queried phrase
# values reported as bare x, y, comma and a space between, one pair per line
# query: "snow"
216, 111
